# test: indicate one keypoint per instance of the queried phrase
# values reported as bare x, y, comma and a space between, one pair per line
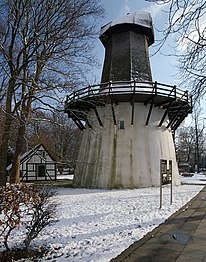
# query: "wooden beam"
113, 113
165, 114
76, 120
87, 122
154, 94
78, 123
97, 115
174, 127
178, 115
164, 103
149, 100
149, 113
132, 103
172, 120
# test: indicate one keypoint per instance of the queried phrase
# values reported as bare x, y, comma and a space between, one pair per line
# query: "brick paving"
181, 238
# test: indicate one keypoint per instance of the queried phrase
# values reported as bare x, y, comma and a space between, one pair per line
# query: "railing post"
155, 86
89, 90
187, 96
109, 86
175, 92
132, 103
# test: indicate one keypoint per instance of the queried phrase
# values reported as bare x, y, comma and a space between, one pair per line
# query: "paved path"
181, 238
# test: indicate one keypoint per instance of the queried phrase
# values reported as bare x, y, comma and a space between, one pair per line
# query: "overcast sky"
163, 68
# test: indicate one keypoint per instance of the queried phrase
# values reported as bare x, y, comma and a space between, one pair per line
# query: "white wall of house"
39, 166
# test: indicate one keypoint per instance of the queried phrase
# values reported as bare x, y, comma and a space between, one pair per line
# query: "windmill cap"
140, 22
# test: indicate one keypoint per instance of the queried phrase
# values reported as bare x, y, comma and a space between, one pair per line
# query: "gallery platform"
176, 102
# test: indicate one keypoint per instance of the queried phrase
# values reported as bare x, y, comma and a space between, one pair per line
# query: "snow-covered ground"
199, 179
64, 177
97, 225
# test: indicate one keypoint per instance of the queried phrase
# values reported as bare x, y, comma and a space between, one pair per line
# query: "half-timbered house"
37, 165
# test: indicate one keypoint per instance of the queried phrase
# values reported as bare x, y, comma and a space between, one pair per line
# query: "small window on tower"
121, 124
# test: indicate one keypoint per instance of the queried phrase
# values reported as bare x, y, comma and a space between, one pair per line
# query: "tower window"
121, 124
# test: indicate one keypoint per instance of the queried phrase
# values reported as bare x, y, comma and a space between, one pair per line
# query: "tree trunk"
4, 148
15, 172
6, 132
3, 151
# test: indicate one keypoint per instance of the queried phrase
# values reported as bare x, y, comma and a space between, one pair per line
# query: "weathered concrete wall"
111, 157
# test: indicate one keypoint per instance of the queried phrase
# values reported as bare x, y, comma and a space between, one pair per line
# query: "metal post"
163, 170
160, 183
197, 144
170, 174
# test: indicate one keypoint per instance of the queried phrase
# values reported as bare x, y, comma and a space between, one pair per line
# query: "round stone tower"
127, 120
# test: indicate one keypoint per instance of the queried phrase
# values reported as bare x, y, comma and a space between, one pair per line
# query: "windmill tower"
127, 120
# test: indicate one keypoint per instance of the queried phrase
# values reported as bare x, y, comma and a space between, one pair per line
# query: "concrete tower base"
122, 155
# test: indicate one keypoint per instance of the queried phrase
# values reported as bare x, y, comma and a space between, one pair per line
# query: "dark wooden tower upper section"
126, 77
126, 42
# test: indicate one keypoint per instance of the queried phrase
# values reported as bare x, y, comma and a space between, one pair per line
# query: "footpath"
181, 238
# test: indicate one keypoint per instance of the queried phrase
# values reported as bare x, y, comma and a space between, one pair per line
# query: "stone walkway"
181, 238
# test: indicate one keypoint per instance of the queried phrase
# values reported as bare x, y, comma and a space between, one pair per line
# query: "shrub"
27, 209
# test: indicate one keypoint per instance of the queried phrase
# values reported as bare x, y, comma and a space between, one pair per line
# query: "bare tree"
200, 138
57, 133
67, 138
185, 144
191, 142
186, 21
46, 45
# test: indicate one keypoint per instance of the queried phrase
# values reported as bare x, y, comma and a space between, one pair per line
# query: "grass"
56, 184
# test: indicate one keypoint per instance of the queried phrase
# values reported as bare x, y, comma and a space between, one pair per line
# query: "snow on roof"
143, 19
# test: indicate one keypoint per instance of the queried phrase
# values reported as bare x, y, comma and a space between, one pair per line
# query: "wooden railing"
130, 87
